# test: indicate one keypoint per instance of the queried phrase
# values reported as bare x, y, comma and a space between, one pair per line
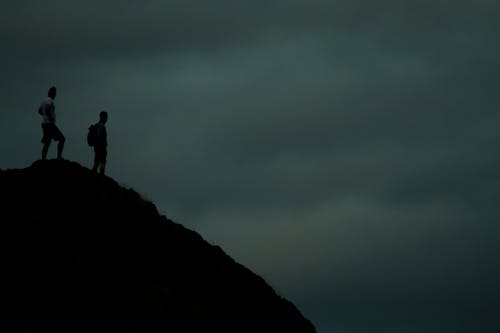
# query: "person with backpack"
97, 138
50, 130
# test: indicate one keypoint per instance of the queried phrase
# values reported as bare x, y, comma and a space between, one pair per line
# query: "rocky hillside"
79, 253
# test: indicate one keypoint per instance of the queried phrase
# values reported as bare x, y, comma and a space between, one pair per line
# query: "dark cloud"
68, 28
346, 150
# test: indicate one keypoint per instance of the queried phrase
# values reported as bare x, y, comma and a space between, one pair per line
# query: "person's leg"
60, 147
94, 167
45, 140
58, 136
102, 167
97, 158
45, 149
103, 157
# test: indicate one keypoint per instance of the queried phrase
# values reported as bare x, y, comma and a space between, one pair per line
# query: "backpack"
92, 135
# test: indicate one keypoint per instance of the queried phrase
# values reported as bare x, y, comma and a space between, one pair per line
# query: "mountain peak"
80, 253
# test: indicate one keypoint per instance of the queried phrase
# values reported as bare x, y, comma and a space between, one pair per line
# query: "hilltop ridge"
80, 253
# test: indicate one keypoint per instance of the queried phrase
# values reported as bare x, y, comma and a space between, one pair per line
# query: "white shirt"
48, 111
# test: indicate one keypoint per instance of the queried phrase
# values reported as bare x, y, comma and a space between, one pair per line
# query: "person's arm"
52, 114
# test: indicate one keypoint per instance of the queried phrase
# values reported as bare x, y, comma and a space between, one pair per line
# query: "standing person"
101, 144
50, 131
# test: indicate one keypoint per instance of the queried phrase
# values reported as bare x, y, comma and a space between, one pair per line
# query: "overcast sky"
345, 150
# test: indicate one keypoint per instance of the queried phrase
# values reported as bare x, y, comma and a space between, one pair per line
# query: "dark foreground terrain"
79, 253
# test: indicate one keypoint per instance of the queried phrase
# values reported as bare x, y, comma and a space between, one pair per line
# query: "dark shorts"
50, 131
101, 152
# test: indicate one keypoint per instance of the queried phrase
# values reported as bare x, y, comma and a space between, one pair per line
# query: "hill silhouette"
80, 253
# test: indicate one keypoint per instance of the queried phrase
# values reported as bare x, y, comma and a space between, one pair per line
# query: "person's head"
52, 92
103, 117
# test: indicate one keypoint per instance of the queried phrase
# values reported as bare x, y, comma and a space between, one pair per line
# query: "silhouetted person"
101, 144
50, 131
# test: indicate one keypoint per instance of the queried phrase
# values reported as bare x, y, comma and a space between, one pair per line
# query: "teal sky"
346, 151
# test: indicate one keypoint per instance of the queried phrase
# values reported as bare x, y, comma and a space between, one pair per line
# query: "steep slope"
79, 253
